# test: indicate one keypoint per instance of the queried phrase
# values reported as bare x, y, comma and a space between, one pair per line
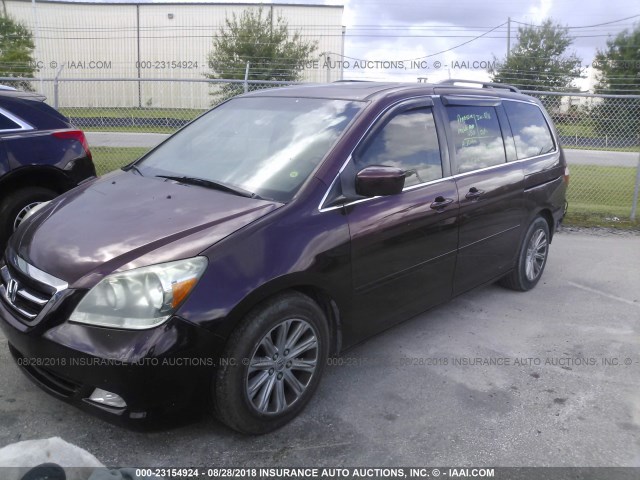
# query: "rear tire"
532, 258
15, 205
279, 352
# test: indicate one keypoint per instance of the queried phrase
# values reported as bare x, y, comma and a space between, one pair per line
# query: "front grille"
24, 300
27, 290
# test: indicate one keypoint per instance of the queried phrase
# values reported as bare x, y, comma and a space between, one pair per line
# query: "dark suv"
281, 227
41, 156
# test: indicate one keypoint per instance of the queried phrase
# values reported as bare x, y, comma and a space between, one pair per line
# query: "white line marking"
598, 292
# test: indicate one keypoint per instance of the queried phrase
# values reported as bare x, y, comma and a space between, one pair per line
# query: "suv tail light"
75, 135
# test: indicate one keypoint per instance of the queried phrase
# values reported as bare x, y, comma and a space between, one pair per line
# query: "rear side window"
530, 129
477, 137
408, 141
7, 124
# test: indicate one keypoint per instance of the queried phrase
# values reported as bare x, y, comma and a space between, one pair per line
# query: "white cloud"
540, 11
423, 29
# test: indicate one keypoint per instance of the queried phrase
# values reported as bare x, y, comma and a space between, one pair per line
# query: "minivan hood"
124, 220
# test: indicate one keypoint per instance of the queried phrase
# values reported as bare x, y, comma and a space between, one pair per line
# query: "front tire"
279, 352
532, 258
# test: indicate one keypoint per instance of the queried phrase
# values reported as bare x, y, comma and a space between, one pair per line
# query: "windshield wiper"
211, 184
133, 167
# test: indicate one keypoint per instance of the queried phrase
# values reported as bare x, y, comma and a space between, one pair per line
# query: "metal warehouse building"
150, 40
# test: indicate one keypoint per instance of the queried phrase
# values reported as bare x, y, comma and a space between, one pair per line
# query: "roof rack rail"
453, 81
346, 80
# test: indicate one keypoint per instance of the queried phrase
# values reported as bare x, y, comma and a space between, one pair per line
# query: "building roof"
285, 3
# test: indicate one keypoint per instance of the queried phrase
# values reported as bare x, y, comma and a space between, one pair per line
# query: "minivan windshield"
267, 146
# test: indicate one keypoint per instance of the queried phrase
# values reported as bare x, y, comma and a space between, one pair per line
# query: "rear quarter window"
477, 137
530, 130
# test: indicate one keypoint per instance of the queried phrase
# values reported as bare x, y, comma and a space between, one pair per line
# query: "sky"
379, 30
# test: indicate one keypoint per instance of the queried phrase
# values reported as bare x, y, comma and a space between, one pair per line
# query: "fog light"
107, 398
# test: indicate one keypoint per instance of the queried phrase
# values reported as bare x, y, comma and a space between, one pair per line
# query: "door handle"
440, 203
474, 194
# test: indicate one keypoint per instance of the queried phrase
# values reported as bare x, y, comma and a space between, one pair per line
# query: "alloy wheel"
536, 254
282, 366
23, 213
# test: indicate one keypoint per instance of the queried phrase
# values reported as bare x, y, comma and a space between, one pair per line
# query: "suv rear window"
530, 129
477, 137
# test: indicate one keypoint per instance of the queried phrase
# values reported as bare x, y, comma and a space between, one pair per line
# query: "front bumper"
158, 372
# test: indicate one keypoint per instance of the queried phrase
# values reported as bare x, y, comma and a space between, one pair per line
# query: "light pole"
37, 40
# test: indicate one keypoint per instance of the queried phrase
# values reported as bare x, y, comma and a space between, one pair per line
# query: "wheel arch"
318, 294
35, 176
548, 217
331, 311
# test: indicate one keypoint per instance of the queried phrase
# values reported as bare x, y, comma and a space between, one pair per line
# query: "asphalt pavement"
549, 377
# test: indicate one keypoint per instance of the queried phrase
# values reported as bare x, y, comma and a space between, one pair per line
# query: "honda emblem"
12, 290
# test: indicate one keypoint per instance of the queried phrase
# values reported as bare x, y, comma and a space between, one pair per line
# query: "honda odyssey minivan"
222, 269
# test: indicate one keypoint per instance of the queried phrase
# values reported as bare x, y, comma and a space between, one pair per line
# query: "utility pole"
508, 37
246, 78
271, 15
344, 31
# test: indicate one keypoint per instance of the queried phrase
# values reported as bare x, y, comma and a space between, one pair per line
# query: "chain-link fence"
600, 135
124, 118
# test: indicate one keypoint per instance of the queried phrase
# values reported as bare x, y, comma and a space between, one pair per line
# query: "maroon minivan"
281, 227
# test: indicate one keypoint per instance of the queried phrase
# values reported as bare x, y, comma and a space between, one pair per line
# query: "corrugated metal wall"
98, 40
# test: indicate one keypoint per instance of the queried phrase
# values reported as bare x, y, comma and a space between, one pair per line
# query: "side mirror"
379, 180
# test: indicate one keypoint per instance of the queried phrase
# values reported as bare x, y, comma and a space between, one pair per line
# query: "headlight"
140, 298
